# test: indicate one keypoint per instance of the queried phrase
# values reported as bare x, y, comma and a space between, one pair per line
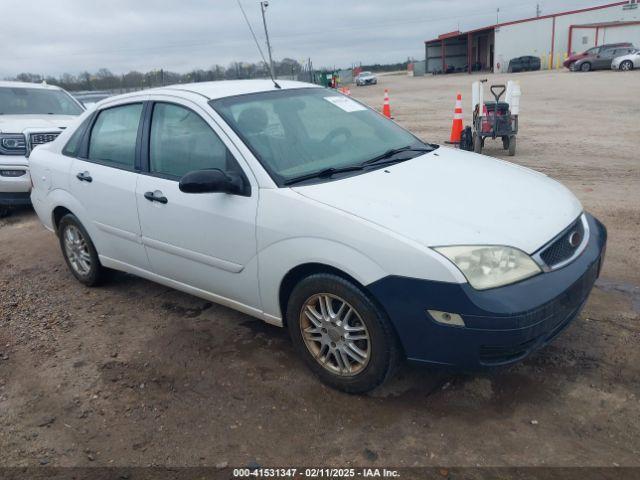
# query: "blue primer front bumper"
503, 325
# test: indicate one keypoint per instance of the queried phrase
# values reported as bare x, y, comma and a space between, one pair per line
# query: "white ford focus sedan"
304, 208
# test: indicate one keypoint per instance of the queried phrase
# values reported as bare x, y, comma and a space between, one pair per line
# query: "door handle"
156, 196
84, 177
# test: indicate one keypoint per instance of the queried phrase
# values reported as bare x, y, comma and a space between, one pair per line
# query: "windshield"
298, 132
36, 101
365, 74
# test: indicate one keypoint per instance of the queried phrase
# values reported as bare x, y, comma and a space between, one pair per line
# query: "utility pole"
538, 11
263, 8
497, 15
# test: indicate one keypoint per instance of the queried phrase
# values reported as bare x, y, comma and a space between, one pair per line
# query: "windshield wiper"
394, 151
326, 173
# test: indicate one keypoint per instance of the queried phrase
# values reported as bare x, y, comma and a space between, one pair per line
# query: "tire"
626, 66
477, 143
325, 347
505, 142
512, 146
585, 67
79, 252
4, 212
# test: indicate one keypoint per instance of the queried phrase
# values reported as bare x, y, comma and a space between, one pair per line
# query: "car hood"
572, 58
20, 123
576, 56
453, 197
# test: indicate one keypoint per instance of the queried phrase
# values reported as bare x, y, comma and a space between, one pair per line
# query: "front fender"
279, 258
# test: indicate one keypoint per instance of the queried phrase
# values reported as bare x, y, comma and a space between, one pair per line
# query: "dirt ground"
133, 373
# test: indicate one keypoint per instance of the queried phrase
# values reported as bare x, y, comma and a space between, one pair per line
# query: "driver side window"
181, 142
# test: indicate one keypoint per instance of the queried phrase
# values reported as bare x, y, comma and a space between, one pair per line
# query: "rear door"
206, 241
103, 179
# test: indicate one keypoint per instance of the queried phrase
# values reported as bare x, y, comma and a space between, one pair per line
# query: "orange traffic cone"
386, 108
456, 128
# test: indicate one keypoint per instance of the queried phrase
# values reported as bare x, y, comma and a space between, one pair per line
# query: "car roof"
214, 90
230, 88
42, 86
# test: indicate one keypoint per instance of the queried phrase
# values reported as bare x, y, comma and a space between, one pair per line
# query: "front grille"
41, 138
495, 354
562, 249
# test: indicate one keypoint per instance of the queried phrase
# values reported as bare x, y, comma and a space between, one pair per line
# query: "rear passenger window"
72, 148
181, 142
114, 134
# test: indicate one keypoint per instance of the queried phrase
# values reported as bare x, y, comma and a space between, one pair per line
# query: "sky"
51, 38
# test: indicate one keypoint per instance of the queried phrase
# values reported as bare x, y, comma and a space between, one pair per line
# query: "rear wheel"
79, 252
343, 337
585, 67
626, 65
505, 142
512, 146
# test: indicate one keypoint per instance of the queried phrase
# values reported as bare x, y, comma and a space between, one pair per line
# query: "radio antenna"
258, 45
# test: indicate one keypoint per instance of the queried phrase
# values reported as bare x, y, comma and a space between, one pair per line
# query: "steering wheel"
335, 133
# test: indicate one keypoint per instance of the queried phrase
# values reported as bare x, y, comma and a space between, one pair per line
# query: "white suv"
306, 209
30, 115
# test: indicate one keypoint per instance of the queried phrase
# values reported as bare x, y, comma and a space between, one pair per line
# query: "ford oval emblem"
575, 238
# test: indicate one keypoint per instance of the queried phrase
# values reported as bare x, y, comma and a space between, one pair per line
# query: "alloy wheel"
77, 250
335, 334
625, 66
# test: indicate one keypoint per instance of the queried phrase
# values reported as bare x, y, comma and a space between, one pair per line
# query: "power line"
255, 39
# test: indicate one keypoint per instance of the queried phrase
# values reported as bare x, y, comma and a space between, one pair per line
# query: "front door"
104, 180
604, 59
205, 241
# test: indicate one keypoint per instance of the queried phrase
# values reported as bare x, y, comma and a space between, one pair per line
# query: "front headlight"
491, 265
12, 144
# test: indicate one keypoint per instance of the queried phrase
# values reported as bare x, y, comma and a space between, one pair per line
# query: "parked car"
306, 209
524, 64
627, 62
366, 78
592, 52
601, 60
89, 99
30, 115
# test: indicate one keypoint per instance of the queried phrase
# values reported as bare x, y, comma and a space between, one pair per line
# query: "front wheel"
585, 67
342, 335
626, 65
79, 252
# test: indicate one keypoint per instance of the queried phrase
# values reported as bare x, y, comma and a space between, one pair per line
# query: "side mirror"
212, 181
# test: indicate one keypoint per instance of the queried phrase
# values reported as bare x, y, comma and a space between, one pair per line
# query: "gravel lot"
133, 373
